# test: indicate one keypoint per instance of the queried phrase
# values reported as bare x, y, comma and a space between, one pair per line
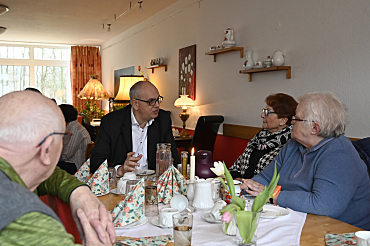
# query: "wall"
325, 41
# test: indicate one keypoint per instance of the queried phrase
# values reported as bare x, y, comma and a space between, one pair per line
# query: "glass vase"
251, 233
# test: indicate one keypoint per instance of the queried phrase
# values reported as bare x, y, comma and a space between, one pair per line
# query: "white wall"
327, 43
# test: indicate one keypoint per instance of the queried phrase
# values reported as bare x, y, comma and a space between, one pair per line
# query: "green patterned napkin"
132, 208
170, 183
156, 240
98, 183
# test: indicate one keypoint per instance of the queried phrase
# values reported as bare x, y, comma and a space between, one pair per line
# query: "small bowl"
179, 202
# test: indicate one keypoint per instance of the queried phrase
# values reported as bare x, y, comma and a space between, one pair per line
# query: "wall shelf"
157, 66
214, 53
267, 69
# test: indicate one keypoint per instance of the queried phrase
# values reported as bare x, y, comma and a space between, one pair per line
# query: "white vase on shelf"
278, 58
249, 63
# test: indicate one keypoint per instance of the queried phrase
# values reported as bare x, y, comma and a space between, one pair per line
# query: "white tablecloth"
284, 231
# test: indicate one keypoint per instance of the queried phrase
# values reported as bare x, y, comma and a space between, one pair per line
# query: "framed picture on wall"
187, 71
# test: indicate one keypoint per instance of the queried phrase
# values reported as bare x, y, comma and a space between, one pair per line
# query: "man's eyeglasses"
66, 137
266, 112
294, 118
152, 102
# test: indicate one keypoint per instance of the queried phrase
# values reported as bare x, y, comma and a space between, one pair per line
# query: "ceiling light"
3, 9
138, 4
2, 29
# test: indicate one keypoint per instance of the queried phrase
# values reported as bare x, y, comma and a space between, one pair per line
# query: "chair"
205, 132
363, 148
89, 147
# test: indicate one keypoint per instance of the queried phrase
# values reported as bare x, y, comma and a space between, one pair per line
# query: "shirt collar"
134, 121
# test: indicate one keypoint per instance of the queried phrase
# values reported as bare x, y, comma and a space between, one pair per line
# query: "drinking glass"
182, 228
151, 200
163, 158
112, 178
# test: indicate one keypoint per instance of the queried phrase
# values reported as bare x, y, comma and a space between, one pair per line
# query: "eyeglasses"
267, 112
294, 118
152, 102
66, 137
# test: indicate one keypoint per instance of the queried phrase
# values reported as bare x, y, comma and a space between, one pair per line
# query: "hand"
129, 165
88, 231
100, 219
252, 187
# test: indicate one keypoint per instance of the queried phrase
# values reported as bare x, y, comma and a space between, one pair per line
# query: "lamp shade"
184, 101
125, 83
93, 90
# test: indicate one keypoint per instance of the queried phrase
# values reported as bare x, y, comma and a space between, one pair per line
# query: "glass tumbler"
163, 158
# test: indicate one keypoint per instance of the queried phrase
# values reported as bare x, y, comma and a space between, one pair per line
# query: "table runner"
284, 231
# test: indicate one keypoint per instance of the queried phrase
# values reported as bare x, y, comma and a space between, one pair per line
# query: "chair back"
205, 132
89, 147
363, 148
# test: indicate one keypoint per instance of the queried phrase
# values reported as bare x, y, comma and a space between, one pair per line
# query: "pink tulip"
226, 217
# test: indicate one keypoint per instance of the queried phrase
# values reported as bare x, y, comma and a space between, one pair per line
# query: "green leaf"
223, 183
230, 181
244, 221
238, 201
230, 208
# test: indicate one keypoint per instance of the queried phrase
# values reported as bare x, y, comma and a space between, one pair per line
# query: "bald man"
32, 129
128, 137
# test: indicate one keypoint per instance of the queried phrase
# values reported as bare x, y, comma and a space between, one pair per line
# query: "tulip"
218, 168
226, 217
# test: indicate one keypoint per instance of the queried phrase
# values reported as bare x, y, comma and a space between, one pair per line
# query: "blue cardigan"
328, 179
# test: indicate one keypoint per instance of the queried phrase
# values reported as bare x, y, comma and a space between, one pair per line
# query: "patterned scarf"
268, 142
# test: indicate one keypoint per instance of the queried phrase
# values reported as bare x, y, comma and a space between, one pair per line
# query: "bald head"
27, 117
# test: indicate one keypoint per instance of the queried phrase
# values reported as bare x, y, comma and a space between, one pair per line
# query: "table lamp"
122, 98
93, 90
184, 102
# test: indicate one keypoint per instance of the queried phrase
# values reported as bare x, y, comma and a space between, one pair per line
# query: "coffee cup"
165, 216
259, 64
215, 211
362, 238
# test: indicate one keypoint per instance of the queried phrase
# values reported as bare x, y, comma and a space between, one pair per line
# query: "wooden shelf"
267, 69
157, 66
214, 53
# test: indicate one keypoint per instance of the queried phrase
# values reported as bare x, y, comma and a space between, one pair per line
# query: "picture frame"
187, 71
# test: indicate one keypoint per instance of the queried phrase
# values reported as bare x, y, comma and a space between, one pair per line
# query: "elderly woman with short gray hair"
320, 170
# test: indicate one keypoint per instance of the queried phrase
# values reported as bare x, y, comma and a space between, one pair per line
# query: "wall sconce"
122, 98
184, 102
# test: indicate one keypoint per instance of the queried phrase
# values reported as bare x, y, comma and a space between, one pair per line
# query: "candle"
192, 166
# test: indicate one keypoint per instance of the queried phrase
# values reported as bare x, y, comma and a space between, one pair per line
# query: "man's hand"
129, 165
252, 187
91, 238
100, 219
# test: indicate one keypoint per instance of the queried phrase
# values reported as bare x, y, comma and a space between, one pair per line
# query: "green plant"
91, 110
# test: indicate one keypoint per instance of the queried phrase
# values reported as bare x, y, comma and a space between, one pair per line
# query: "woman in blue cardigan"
320, 170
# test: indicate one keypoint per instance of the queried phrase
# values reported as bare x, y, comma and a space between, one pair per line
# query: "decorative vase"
278, 58
251, 234
249, 63
228, 38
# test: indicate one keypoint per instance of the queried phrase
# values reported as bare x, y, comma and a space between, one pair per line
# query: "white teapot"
203, 194
278, 58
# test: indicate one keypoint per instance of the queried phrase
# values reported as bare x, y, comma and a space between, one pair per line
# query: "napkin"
340, 239
131, 208
170, 183
99, 182
156, 240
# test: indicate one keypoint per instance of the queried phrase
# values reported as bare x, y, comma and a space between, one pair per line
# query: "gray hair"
326, 109
28, 117
135, 89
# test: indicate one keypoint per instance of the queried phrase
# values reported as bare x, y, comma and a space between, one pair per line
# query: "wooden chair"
89, 147
205, 132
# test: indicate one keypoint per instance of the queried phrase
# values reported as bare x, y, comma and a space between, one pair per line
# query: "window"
43, 67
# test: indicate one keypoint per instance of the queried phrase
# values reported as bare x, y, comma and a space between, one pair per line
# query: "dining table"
313, 232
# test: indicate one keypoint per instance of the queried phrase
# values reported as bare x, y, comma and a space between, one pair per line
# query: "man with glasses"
128, 137
32, 130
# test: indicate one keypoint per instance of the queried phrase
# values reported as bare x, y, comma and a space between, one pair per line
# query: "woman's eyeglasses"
294, 119
266, 112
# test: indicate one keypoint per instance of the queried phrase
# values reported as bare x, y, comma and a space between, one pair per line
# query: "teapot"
203, 195
278, 58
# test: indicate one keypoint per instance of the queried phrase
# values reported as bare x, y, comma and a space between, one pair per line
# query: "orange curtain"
85, 61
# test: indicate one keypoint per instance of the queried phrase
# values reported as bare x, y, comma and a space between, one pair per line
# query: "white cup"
362, 238
215, 212
179, 202
259, 63
165, 216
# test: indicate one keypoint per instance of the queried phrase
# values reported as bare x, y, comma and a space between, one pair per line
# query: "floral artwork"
187, 68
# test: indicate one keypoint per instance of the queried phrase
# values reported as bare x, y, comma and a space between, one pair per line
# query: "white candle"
192, 166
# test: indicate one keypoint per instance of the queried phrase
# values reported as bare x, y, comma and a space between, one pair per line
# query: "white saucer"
140, 222
155, 221
102, 194
141, 172
258, 66
208, 218
114, 191
272, 212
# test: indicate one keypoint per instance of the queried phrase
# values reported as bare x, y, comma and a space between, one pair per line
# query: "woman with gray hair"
320, 170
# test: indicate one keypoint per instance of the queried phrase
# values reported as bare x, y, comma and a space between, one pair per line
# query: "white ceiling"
77, 22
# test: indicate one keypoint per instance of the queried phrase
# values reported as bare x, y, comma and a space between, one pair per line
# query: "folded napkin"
99, 182
156, 240
340, 239
132, 208
170, 183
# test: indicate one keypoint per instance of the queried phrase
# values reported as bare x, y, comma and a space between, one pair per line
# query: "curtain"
85, 61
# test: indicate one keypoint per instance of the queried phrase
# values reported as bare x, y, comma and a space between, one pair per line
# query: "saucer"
272, 212
258, 66
114, 191
141, 172
208, 218
140, 222
155, 221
